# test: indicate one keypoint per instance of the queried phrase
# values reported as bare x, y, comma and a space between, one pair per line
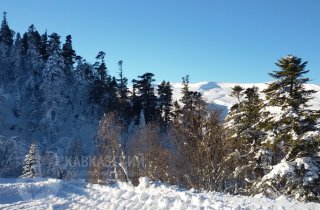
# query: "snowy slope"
57, 194
219, 93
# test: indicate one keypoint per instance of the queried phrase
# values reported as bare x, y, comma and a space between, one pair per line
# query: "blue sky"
211, 40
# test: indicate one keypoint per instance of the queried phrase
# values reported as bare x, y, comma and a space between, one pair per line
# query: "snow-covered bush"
299, 179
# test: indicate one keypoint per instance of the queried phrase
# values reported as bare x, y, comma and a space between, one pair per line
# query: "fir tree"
124, 110
147, 98
43, 46
98, 93
34, 38
176, 112
31, 166
68, 52
122, 81
54, 84
237, 92
165, 103
186, 93
6, 34
243, 138
292, 138
16, 59
194, 106
83, 71
289, 94
101, 66
24, 43
112, 90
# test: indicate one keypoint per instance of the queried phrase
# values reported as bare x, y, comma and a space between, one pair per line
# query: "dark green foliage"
84, 70
244, 137
100, 66
186, 93
237, 92
25, 43
98, 92
112, 89
165, 103
289, 93
6, 34
176, 112
292, 135
288, 90
123, 82
54, 43
43, 47
68, 52
194, 107
146, 99
34, 38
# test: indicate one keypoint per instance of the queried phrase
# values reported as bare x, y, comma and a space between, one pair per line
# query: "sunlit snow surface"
57, 194
219, 93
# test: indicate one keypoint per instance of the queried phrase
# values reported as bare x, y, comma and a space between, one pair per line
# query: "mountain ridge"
218, 93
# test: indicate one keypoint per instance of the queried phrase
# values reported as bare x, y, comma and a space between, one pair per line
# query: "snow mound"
147, 195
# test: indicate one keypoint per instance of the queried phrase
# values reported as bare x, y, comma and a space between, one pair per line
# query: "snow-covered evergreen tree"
32, 166
243, 137
292, 140
16, 59
6, 34
54, 85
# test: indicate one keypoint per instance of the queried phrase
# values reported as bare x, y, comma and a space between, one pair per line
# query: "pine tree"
101, 66
124, 109
31, 47
24, 43
194, 107
98, 92
176, 112
16, 59
84, 71
147, 99
6, 34
34, 38
135, 100
68, 52
43, 46
243, 138
165, 103
54, 84
31, 166
295, 119
122, 81
186, 93
113, 101
237, 92
293, 138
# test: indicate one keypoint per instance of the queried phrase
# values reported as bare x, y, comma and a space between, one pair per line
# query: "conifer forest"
64, 117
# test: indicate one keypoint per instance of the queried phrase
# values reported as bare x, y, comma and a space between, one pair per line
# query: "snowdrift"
57, 194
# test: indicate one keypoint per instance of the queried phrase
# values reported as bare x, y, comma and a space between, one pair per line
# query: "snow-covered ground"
219, 93
57, 194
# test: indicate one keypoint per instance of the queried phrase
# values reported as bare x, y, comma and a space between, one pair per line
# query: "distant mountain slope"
218, 93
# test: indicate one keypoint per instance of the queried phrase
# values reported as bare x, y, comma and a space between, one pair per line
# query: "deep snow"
57, 194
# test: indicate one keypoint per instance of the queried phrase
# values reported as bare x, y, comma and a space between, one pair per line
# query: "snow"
288, 169
219, 93
57, 194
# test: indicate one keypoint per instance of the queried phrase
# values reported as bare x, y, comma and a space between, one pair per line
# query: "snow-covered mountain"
218, 93
58, 194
